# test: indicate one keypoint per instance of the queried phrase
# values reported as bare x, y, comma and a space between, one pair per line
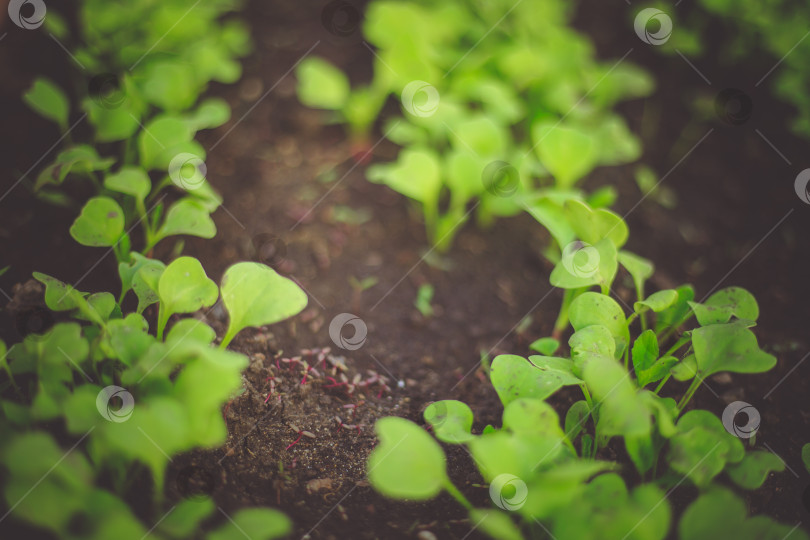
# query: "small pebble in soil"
426, 535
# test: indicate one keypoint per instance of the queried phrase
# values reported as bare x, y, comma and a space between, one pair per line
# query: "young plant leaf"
81, 159
639, 268
702, 447
584, 265
641, 452
160, 140
546, 346
527, 416
451, 421
657, 301
594, 225
101, 223
49, 101
211, 113
408, 463
569, 154
514, 377
660, 369
686, 369
622, 412
722, 305
130, 180
183, 288
321, 85
253, 523
806, 456
591, 308
677, 312
496, 524
575, 419
59, 296
145, 282
729, 347
591, 339
255, 295
187, 216
753, 470
645, 351
416, 174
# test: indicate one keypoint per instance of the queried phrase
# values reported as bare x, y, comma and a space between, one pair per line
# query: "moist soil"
296, 198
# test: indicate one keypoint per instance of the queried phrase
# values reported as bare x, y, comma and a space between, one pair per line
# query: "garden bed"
288, 180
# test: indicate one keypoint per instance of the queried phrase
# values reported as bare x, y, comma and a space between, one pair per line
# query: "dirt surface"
295, 199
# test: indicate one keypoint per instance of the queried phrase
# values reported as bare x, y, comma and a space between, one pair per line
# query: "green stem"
163, 318
457, 495
672, 329
562, 319
229, 335
587, 395
689, 393
678, 344
662, 383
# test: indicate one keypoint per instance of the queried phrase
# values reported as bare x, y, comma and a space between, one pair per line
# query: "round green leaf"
255, 295
729, 347
101, 223
753, 470
253, 523
184, 288
321, 85
451, 421
591, 308
408, 463
131, 181
48, 100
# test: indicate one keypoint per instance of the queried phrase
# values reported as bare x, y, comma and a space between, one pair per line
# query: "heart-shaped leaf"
48, 100
187, 216
592, 308
415, 174
639, 268
183, 288
720, 307
255, 295
101, 223
584, 265
545, 346
729, 347
408, 463
569, 154
702, 447
131, 181
496, 524
594, 225
253, 523
451, 421
321, 85
678, 311
532, 416
515, 377
621, 411
753, 470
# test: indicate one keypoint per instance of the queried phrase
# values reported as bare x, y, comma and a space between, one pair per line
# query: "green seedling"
486, 129
255, 295
547, 463
424, 296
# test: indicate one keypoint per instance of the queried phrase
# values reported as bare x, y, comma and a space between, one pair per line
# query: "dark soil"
290, 183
